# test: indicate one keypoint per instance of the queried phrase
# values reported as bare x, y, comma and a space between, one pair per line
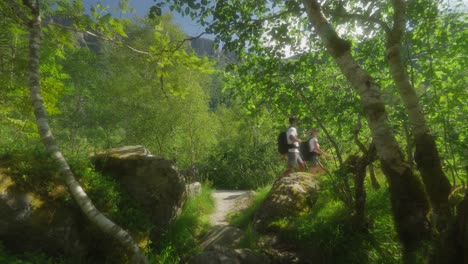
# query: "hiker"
314, 148
294, 157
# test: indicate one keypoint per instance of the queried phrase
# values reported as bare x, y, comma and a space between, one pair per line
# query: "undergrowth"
181, 241
326, 234
26, 258
244, 218
32, 170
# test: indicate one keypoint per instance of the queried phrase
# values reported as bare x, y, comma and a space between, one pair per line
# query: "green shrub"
27, 258
240, 166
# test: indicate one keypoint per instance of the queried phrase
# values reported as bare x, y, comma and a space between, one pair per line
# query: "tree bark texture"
368, 156
461, 232
360, 174
85, 203
426, 153
409, 202
375, 183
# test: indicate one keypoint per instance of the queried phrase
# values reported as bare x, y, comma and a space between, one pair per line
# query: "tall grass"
243, 218
181, 240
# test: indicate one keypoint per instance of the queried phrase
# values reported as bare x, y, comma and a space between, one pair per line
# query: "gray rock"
153, 182
225, 255
226, 236
194, 189
289, 196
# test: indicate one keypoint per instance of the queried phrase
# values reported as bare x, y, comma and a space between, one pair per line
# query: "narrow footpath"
227, 201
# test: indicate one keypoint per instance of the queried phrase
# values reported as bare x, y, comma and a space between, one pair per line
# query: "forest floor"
226, 202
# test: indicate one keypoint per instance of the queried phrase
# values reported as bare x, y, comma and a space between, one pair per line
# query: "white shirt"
312, 144
292, 132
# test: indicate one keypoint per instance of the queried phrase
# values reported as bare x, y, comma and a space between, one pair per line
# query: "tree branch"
119, 43
399, 20
356, 131
19, 11
321, 125
179, 45
278, 15
364, 18
123, 44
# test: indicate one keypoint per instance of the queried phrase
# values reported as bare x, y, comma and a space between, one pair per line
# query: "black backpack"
304, 149
283, 143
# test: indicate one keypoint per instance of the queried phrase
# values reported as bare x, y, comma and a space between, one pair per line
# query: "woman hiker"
314, 147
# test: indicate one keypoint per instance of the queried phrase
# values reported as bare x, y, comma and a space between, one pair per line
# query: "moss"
5, 181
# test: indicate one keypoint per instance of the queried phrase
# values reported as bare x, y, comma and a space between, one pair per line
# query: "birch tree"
248, 26
33, 21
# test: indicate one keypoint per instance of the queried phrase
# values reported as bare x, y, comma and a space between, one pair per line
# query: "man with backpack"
294, 156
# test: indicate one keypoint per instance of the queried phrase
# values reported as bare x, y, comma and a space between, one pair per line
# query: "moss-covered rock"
153, 182
289, 196
28, 223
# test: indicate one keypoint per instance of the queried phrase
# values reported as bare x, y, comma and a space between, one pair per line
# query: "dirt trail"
227, 201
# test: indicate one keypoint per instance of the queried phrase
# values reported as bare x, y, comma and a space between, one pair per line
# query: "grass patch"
26, 258
244, 218
328, 234
181, 240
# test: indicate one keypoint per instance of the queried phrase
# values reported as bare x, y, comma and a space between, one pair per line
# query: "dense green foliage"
167, 99
108, 82
29, 258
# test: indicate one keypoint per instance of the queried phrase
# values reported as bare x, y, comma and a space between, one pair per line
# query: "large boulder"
32, 221
289, 196
29, 223
152, 181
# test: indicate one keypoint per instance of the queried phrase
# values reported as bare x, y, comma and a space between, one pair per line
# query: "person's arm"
319, 151
294, 138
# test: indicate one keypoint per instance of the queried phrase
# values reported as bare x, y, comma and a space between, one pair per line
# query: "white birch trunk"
409, 202
426, 154
85, 203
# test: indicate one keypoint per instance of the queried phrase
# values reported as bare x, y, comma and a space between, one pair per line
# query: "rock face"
153, 182
289, 196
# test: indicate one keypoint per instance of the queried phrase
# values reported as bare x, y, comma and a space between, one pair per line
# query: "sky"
143, 6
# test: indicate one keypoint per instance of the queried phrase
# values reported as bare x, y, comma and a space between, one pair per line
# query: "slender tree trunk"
47, 138
368, 156
409, 145
409, 202
426, 154
359, 191
461, 231
374, 182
